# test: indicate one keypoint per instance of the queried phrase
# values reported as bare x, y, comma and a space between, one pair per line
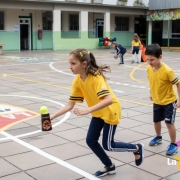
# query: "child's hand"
51, 117
177, 105
81, 111
150, 97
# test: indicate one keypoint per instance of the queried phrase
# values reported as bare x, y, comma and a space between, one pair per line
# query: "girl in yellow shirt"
90, 84
135, 47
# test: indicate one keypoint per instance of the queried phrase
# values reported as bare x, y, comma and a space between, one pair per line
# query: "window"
1, 20
73, 22
176, 28
47, 20
121, 24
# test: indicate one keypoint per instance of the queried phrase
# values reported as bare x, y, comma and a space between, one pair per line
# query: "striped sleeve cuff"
102, 93
175, 80
76, 99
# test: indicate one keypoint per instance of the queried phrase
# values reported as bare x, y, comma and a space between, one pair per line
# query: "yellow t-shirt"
134, 43
161, 84
92, 90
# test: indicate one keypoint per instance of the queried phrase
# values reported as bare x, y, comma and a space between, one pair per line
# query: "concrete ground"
30, 80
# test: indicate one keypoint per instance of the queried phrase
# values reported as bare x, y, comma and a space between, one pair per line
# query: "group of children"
136, 46
91, 84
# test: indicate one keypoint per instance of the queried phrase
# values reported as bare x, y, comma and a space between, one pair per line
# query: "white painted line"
110, 82
126, 84
27, 63
52, 67
38, 131
37, 150
118, 91
50, 157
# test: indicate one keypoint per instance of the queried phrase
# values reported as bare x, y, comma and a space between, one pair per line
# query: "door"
140, 28
25, 33
99, 28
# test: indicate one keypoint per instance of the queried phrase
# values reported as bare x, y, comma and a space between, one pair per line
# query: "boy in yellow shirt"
161, 80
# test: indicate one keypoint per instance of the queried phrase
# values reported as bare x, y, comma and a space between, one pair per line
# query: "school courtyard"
31, 79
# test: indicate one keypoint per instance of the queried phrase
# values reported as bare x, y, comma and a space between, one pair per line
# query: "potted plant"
122, 2
138, 3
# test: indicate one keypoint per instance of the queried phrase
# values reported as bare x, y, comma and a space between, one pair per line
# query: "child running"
120, 51
90, 84
161, 81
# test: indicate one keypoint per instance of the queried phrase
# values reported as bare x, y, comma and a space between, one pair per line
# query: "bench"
1, 48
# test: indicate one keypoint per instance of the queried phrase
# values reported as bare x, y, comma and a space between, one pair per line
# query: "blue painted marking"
29, 59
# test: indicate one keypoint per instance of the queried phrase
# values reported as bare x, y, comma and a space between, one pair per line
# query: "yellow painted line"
139, 103
33, 73
25, 79
132, 73
134, 102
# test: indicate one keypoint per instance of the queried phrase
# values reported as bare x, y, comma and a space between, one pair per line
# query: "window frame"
47, 29
173, 35
126, 19
73, 29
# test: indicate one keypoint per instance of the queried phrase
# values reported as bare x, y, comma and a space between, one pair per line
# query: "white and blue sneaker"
155, 141
172, 149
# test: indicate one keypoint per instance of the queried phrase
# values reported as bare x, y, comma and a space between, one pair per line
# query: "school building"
164, 22
68, 24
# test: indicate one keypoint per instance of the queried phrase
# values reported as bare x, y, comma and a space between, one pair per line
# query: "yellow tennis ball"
44, 110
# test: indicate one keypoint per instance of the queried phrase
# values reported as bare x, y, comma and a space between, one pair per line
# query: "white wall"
12, 18
96, 16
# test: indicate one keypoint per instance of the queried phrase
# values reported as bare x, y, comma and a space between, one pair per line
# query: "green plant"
123, 0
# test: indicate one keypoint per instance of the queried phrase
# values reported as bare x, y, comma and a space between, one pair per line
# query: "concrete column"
56, 28
107, 24
56, 20
150, 32
83, 24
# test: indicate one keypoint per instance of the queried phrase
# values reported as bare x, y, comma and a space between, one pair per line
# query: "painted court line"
110, 82
28, 63
52, 67
42, 153
50, 157
38, 131
125, 84
118, 91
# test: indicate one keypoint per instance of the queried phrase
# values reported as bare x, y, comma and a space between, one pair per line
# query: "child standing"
90, 84
135, 47
142, 47
161, 81
120, 51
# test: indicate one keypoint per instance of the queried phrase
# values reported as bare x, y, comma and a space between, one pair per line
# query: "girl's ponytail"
92, 67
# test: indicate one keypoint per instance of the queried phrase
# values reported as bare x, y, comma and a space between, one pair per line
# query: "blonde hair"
135, 37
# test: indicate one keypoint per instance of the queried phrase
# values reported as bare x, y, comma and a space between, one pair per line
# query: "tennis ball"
43, 110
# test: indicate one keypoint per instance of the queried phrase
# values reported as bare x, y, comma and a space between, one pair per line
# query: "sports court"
30, 80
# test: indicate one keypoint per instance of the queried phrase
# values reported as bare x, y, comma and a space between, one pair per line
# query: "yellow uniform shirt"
161, 84
134, 43
92, 90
